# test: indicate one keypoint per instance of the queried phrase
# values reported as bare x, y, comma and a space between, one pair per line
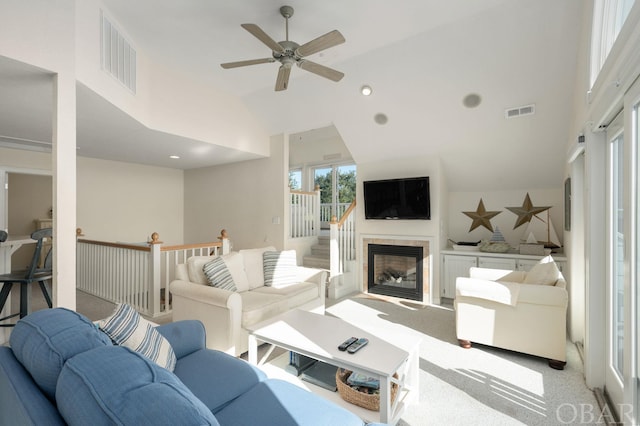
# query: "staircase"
319, 257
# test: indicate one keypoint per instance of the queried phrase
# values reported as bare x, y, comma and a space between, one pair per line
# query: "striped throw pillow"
127, 328
218, 274
280, 268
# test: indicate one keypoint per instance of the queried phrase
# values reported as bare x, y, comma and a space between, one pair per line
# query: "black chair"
26, 278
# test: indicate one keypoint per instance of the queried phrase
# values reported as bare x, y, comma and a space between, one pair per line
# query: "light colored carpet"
477, 386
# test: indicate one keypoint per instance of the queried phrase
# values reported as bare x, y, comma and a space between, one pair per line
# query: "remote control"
359, 344
346, 343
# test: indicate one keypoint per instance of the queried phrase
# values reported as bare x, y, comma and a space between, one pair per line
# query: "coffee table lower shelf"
276, 369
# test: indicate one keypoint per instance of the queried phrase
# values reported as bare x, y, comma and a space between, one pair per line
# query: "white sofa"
515, 310
225, 313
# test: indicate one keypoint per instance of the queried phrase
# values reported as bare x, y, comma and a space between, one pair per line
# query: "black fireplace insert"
395, 270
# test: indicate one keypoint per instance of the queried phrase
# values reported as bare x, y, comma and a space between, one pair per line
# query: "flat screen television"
406, 198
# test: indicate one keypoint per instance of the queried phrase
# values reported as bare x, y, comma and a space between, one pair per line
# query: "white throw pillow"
127, 328
253, 265
194, 268
218, 274
280, 268
235, 264
545, 273
512, 277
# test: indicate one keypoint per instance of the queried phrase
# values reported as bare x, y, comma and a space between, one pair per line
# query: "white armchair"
523, 312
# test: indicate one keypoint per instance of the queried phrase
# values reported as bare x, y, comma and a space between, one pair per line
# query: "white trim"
434, 252
632, 348
617, 75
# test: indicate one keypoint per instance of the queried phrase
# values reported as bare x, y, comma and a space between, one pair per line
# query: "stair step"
323, 240
320, 250
316, 262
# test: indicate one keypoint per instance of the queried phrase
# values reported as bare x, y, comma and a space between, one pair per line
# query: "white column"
64, 189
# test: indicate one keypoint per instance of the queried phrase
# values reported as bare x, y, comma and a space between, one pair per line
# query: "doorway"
29, 207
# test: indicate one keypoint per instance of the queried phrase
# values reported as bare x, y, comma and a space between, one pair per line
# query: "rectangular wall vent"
118, 58
520, 111
337, 156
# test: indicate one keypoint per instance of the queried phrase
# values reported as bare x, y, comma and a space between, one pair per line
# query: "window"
295, 179
608, 18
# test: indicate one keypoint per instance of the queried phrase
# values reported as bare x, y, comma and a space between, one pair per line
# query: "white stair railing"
342, 244
304, 213
136, 274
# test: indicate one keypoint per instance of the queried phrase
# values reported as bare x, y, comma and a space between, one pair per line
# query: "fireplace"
395, 270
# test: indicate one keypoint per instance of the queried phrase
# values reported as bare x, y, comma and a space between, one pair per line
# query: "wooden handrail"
346, 214
117, 245
155, 240
296, 191
191, 246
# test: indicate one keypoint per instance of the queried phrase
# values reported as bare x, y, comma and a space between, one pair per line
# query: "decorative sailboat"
543, 231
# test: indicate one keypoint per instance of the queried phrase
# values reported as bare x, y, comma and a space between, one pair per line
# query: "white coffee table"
318, 336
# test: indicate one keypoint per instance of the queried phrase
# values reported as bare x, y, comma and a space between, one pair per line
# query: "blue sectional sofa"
62, 369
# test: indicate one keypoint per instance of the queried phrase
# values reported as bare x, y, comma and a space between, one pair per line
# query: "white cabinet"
456, 264
454, 267
497, 263
525, 264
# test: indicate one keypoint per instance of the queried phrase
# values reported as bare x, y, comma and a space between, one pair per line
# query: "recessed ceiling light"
174, 157
366, 90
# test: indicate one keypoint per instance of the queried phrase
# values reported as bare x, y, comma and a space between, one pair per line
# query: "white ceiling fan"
289, 52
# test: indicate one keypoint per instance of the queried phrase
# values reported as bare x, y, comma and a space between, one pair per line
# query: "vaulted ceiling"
421, 57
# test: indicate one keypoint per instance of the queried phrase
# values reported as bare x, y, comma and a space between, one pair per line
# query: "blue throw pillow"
115, 385
44, 340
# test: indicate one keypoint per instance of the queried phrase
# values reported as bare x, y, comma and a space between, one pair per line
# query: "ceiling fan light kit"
289, 52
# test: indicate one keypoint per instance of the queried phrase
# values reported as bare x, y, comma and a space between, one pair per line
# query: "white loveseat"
515, 310
226, 313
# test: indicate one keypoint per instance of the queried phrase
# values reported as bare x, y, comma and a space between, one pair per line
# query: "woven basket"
365, 400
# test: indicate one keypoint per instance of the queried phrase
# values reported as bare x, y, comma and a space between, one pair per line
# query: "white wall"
166, 99
313, 152
244, 198
128, 202
402, 168
459, 223
117, 201
36, 32
574, 240
18, 161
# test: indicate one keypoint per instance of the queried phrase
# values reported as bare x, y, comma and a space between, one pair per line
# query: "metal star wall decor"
527, 211
481, 217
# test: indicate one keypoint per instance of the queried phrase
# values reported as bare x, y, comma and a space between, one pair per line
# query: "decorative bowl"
490, 247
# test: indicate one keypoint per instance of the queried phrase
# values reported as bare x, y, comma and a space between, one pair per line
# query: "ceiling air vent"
118, 58
520, 111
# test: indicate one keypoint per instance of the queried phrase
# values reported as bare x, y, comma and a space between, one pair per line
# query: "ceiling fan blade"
330, 39
282, 81
263, 37
246, 63
321, 70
